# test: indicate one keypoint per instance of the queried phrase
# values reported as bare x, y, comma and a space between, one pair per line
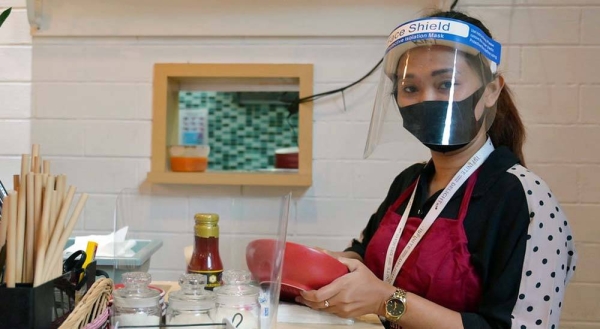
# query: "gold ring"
326, 304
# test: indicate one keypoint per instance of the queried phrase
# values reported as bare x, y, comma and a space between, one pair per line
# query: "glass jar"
136, 304
206, 259
192, 304
237, 300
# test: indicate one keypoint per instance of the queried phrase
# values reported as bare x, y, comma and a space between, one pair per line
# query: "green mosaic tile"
242, 137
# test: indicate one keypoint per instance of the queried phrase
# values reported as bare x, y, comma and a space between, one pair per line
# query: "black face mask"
427, 121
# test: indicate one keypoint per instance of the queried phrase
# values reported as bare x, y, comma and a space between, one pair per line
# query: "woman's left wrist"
385, 295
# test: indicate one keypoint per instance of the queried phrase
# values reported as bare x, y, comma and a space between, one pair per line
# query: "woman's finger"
319, 295
316, 305
352, 264
320, 299
330, 305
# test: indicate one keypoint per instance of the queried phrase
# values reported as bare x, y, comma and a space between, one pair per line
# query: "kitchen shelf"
170, 78
231, 178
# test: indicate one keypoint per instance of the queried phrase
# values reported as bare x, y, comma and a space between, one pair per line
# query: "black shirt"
497, 226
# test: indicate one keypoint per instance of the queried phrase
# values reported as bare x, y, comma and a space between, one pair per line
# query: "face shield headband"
453, 33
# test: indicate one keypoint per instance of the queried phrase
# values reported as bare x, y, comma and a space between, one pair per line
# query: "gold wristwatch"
395, 306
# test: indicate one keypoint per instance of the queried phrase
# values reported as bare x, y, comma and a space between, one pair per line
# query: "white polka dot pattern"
550, 257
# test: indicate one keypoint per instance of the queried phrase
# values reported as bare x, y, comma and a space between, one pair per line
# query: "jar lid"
136, 292
206, 218
192, 295
236, 283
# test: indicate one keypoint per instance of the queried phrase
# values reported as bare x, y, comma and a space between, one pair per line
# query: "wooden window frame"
168, 79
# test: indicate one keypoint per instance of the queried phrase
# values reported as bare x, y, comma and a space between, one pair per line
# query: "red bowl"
304, 268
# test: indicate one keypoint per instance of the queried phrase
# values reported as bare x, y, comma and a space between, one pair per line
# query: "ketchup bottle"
206, 259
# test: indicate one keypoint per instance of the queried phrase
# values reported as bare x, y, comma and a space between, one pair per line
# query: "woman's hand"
357, 293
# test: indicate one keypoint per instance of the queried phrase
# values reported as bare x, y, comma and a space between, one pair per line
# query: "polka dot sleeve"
550, 257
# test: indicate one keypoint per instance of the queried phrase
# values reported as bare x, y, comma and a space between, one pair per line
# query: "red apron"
439, 268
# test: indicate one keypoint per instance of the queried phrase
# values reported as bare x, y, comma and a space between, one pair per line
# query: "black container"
27, 307
42, 307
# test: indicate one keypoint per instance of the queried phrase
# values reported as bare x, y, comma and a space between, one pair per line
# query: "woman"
471, 239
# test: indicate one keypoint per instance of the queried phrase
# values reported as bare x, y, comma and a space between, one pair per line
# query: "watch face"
395, 307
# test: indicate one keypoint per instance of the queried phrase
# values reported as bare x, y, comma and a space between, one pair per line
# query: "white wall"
15, 89
91, 112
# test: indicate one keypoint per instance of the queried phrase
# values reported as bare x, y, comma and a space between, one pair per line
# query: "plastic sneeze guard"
164, 217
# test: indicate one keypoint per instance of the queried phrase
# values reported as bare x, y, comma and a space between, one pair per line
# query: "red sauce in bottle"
205, 258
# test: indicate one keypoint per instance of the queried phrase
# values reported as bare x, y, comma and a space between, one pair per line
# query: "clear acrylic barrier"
160, 221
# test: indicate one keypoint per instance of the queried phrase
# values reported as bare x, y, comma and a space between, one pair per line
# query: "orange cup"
185, 164
189, 158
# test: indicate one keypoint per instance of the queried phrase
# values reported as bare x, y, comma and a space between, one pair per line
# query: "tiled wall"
92, 110
242, 136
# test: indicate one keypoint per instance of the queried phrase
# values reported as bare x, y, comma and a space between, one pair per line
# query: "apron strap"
464, 205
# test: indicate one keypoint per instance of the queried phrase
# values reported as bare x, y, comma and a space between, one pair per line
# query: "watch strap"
399, 293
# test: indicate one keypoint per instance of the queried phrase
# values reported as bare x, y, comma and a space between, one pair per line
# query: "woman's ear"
493, 90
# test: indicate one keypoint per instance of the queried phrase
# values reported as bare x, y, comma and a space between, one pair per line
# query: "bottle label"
213, 278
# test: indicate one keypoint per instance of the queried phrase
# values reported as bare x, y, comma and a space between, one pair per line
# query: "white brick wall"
91, 112
15, 89
126, 101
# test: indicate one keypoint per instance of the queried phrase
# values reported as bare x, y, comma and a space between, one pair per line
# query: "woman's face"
434, 74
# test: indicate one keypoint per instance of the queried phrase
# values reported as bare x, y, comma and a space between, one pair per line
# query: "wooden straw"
64, 187
38, 163
42, 243
46, 169
53, 212
44, 180
29, 230
11, 253
60, 191
16, 181
24, 167
35, 158
21, 209
60, 224
46, 208
24, 170
56, 257
37, 196
20, 237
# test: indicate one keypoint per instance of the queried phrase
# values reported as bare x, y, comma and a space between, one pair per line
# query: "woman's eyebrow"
433, 74
442, 71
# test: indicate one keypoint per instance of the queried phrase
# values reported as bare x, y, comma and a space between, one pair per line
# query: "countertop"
356, 325
364, 322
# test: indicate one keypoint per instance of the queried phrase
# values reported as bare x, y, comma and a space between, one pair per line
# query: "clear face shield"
438, 82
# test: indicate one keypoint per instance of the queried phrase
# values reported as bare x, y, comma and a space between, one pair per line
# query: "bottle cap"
207, 225
206, 218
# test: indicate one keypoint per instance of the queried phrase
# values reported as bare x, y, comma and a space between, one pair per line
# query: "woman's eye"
446, 85
409, 89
